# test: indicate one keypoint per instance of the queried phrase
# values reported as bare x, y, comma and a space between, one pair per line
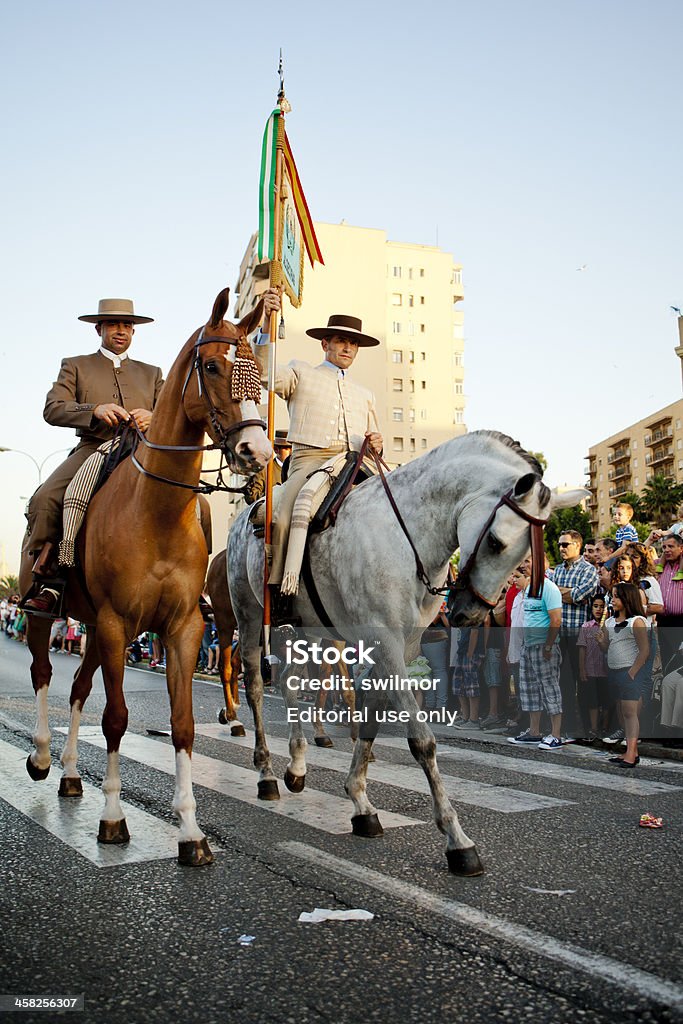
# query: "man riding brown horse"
93, 394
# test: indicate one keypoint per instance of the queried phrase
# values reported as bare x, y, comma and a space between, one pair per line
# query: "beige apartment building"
628, 459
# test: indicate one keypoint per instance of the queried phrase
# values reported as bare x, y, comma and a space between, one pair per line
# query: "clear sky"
528, 138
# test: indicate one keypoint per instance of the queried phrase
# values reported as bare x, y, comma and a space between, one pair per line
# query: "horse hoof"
294, 783
223, 716
70, 786
37, 774
323, 741
113, 832
267, 789
366, 825
465, 862
194, 853
237, 729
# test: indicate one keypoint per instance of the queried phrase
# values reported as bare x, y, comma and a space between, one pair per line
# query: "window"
422, 273
422, 328
635, 481
679, 444
634, 445
423, 442
397, 271
411, 415
458, 387
423, 385
397, 299
457, 359
411, 386
398, 444
412, 444
678, 424
397, 414
635, 463
459, 416
423, 356
397, 356
410, 273
397, 384
422, 300
457, 277
397, 327
411, 328
423, 414
411, 300
411, 357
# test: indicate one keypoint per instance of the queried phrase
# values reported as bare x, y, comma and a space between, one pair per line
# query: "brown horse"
229, 661
144, 556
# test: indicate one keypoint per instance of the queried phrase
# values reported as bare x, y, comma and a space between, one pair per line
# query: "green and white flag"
266, 223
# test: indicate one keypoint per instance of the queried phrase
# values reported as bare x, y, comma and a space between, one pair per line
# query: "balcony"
660, 456
619, 489
617, 456
658, 435
619, 472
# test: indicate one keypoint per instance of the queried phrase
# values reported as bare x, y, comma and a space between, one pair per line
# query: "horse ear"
569, 499
220, 308
525, 484
251, 321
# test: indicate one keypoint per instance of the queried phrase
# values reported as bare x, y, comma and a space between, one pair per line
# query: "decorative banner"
292, 255
293, 198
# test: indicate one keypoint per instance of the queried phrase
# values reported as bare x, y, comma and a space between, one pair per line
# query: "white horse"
478, 493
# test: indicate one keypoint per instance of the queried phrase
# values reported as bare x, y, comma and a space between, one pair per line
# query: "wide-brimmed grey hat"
346, 326
115, 309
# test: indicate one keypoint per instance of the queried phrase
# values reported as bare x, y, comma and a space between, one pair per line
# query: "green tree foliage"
660, 498
540, 457
560, 521
9, 585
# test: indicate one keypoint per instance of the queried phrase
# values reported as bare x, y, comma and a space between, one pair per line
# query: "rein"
224, 433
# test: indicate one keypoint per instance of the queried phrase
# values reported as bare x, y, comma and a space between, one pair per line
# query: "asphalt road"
576, 918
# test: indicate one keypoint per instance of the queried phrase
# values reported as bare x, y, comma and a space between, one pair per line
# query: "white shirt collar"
338, 370
116, 360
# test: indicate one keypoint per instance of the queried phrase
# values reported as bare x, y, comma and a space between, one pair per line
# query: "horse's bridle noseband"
464, 581
221, 431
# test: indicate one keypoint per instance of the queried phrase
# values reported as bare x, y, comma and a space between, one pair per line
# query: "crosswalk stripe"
312, 807
597, 966
75, 821
465, 791
544, 770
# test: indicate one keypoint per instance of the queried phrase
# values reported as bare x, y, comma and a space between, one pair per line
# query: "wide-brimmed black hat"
346, 326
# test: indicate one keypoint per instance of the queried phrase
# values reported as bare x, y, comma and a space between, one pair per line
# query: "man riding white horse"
328, 414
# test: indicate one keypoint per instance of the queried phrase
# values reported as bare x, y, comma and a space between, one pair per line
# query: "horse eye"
495, 545
211, 367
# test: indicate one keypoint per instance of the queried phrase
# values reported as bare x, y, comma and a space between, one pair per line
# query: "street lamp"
38, 465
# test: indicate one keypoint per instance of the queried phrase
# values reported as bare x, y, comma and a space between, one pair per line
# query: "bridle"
464, 580
223, 433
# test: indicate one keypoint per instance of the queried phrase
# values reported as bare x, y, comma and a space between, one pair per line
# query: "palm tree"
661, 497
9, 584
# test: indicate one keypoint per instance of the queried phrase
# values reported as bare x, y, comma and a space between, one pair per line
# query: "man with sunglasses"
578, 582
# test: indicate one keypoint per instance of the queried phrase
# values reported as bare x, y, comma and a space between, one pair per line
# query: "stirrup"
257, 517
57, 583
282, 608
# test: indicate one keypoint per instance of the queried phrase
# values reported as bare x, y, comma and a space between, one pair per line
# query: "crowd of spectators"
583, 661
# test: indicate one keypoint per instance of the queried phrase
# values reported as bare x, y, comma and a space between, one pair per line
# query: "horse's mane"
531, 460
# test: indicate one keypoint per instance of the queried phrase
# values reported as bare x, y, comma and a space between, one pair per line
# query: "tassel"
246, 375
290, 584
67, 553
281, 329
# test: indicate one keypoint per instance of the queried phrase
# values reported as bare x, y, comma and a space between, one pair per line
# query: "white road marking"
600, 967
312, 807
542, 770
75, 821
464, 791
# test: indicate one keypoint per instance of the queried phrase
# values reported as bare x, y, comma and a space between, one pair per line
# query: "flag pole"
272, 354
